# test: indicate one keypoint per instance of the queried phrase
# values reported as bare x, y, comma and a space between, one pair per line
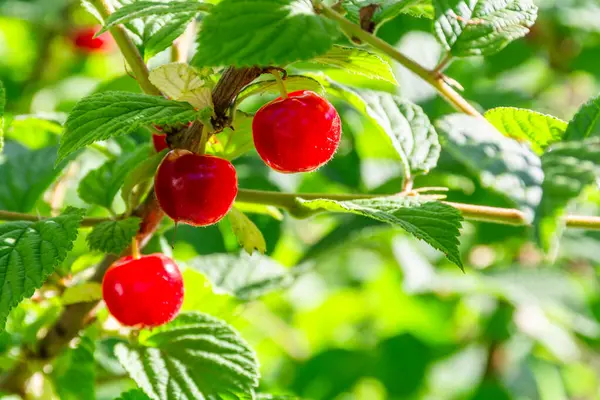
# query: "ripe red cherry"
85, 41
195, 189
143, 292
297, 134
160, 142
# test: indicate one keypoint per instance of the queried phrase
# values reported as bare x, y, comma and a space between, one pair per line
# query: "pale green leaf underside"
25, 176
29, 252
182, 82
569, 167
263, 32
82, 293
109, 114
537, 129
436, 223
585, 122
196, 356
412, 134
113, 236
2, 105
356, 61
481, 27
503, 164
246, 232
100, 186
245, 277
141, 9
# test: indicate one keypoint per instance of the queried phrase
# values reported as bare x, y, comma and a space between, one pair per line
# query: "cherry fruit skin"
297, 134
143, 292
160, 142
195, 189
84, 40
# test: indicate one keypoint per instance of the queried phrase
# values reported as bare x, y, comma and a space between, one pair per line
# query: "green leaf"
243, 276
196, 356
134, 394
568, 167
412, 134
355, 61
74, 372
537, 129
248, 235
2, 105
585, 122
25, 176
182, 82
233, 143
436, 223
141, 173
377, 12
141, 9
266, 32
481, 27
36, 131
82, 293
113, 236
503, 164
101, 185
29, 252
109, 114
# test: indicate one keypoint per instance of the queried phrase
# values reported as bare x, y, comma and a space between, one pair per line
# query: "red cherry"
144, 292
297, 134
194, 189
85, 41
160, 142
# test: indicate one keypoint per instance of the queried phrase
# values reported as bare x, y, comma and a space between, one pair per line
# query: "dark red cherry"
160, 142
143, 292
297, 134
84, 40
195, 189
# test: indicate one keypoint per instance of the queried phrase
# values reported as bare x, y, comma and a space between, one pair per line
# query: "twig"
15, 216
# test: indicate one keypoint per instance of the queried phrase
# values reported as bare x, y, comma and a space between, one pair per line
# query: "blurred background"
371, 314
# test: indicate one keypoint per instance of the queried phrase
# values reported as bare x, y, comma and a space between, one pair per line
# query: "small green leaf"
25, 176
29, 252
537, 129
248, 235
133, 394
195, 356
2, 105
36, 131
384, 10
74, 371
113, 236
355, 61
266, 32
109, 114
481, 27
269, 86
100, 186
569, 167
82, 293
141, 9
236, 141
503, 164
243, 276
436, 223
412, 134
182, 82
142, 172
585, 122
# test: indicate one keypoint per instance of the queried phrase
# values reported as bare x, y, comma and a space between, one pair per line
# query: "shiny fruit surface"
297, 134
143, 292
195, 189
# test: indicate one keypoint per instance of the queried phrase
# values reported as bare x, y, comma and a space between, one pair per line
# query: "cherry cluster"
297, 133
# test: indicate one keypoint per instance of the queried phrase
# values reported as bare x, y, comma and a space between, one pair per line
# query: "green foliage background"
364, 311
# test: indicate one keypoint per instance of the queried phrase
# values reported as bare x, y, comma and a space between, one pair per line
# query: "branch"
433, 78
15, 216
494, 215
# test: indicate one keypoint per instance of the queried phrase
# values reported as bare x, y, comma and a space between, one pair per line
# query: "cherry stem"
280, 84
135, 249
